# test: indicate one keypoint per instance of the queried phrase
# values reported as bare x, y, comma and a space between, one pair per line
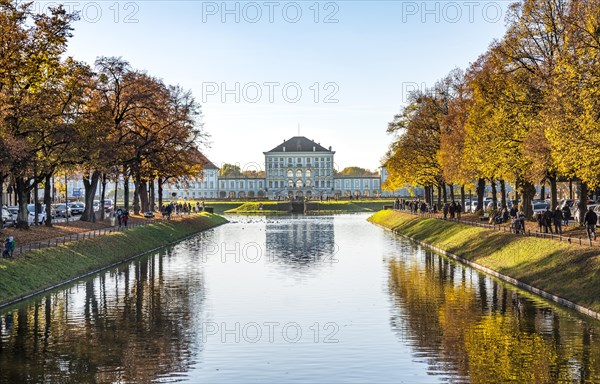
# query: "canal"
295, 299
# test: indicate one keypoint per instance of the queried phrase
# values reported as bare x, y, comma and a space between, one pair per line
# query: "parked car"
41, 214
31, 213
62, 210
96, 205
8, 220
77, 208
108, 205
539, 207
149, 214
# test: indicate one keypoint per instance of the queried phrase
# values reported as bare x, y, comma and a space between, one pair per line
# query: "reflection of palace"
298, 167
301, 241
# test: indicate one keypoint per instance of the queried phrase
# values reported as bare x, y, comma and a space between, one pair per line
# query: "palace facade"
298, 167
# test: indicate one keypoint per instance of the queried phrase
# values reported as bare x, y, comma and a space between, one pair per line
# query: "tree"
356, 171
230, 170
31, 46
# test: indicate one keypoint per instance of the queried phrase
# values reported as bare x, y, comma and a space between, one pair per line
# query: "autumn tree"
31, 46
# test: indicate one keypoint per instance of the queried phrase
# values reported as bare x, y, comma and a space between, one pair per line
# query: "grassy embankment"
332, 206
268, 207
44, 268
335, 207
567, 270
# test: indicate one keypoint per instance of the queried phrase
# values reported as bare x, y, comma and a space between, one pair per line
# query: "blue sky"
340, 74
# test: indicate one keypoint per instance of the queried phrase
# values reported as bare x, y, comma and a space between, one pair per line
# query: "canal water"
295, 299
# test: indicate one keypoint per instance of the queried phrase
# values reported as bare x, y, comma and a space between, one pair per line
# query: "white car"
31, 216
539, 207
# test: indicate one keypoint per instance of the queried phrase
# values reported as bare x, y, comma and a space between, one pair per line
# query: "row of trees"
526, 112
108, 121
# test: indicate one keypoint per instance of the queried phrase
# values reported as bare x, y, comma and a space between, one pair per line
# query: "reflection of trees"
301, 241
126, 325
468, 326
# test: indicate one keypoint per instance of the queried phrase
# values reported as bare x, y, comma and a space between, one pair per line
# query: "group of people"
452, 210
122, 216
549, 218
178, 208
9, 247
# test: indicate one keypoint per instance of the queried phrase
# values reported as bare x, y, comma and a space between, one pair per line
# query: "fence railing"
504, 228
24, 248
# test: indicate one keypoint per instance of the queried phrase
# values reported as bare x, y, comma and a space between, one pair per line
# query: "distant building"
298, 167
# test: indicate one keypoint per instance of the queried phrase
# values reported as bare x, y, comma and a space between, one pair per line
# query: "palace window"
290, 183
290, 173
298, 183
308, 173
308, 183
299, 173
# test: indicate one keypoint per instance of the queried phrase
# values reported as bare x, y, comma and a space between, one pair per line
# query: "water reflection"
302, 241
130, 324
463, 322
399, 314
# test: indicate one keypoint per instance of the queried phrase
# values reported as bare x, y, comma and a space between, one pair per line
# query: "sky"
335, 72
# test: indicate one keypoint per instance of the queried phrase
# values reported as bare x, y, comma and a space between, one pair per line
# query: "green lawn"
44, 268
335, 207
268, 207
566, 270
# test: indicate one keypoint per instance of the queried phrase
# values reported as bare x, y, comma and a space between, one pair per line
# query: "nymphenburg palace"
298, 167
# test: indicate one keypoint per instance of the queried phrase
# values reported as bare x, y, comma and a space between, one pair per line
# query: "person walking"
125, 217
6, 250
445, 210
119, 214
558, 220
590, 219
539, 217
12, 245
566, 214
548, 220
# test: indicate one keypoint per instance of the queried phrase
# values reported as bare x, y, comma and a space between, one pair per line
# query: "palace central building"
298, 167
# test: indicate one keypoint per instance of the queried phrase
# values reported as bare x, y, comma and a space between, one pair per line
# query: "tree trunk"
103, 197
502, 193
116, 190
48, 200
543, 191
451, 187
583, 198
439, 196
494, 194
480, 192
445, 193
143, 192
152, 195
22, 190
1, 193
36, 203
136, 193
571, 189
90, 184
553, 192
462, 197
160, 192
125, 188
528, 193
